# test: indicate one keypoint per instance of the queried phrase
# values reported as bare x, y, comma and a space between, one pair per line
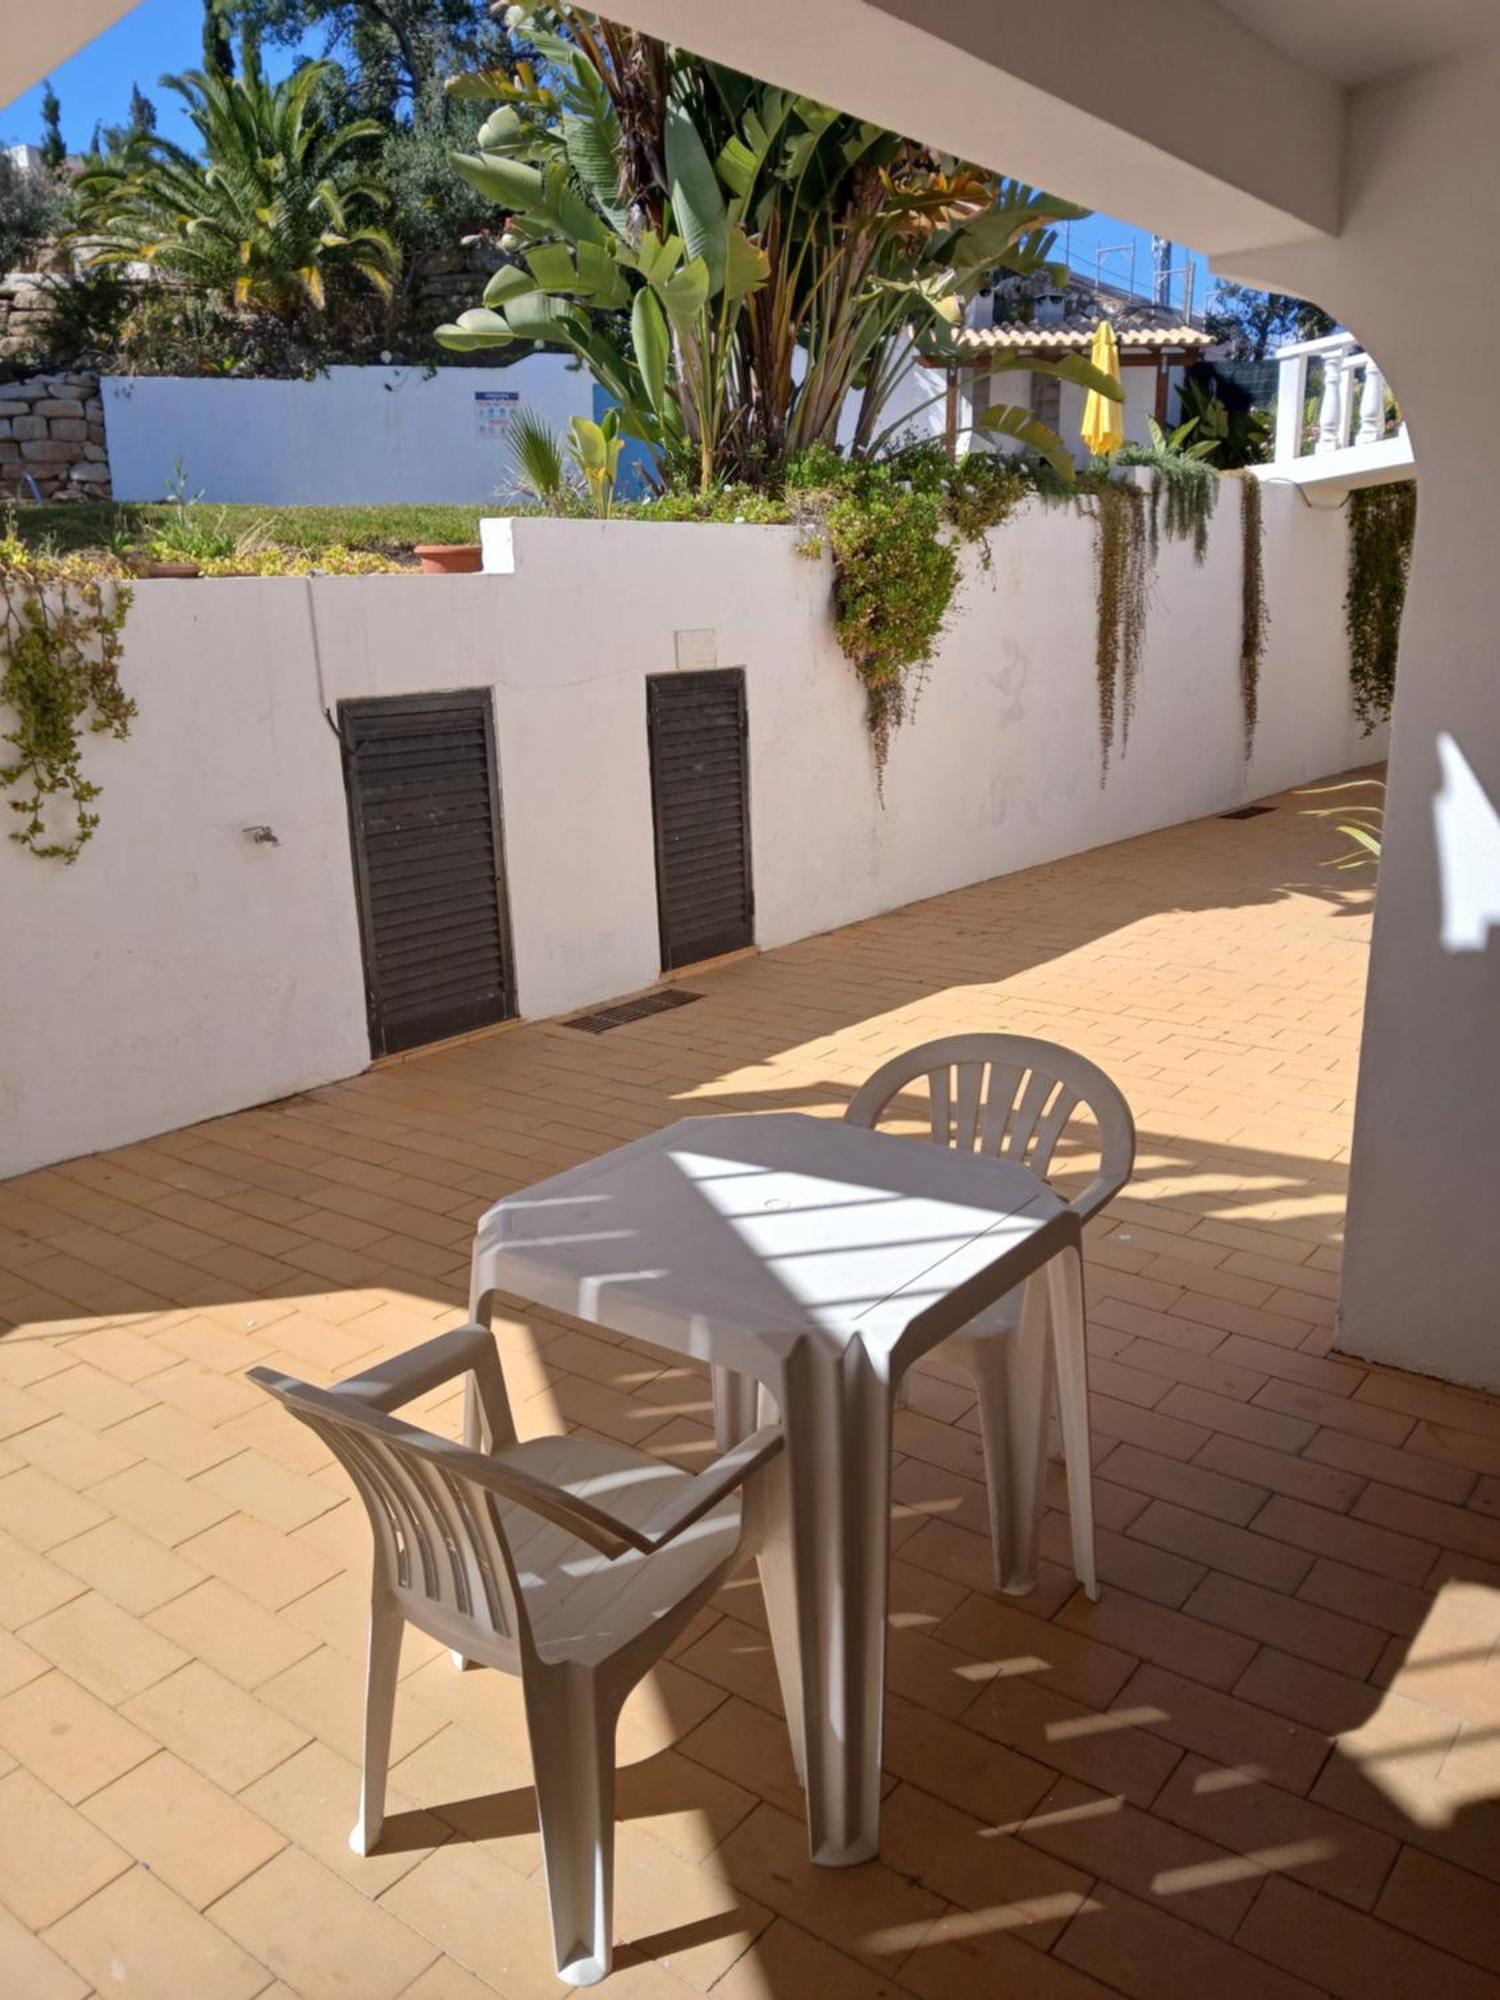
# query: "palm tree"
272, 213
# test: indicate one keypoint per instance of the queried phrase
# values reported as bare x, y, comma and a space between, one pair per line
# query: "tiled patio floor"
1262, 1765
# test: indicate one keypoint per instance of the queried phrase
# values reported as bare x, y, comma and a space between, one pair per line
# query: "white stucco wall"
180, 970
351, 437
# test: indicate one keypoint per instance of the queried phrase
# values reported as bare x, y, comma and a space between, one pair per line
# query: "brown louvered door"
424, 823
700, 796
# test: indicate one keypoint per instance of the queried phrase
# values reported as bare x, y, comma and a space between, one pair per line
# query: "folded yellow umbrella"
1103, 424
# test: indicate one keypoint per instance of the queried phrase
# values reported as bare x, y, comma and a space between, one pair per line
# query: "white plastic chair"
1012, 1097
570, 1563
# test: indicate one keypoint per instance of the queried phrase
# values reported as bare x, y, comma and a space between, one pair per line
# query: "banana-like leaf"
509, 282
551, 264
652, 344
697, 202
656, 259
1007, 421
505, 181
477, 86
746, 265
474, 330
600, 279
500, 131
1073, 368
687, 292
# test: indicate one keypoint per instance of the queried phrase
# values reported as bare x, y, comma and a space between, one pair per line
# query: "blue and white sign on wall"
495, 413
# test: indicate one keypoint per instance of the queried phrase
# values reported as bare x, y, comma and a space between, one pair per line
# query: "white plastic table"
821, 1259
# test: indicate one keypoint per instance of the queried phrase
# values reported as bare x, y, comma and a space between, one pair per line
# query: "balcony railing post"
1331, 408
1371, 406
1291, 394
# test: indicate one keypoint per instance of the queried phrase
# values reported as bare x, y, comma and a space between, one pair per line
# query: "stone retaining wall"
52, 433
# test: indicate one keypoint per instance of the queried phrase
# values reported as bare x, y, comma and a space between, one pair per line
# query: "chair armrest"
1101, 1190
704, 1492
448, 1357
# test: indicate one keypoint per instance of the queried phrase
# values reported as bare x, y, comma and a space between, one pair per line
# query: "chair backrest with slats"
439, 1537
1009, 1096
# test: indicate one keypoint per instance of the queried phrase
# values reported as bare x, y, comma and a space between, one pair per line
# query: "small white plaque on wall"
696, 649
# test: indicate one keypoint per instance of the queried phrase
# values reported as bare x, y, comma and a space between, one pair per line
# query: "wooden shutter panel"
700, 791
424, 822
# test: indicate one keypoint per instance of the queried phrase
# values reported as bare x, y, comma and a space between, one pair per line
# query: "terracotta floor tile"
1447, 1906
160, 1503
106, 1650
231, 1633
1278, 1833
1144, 1952
42, 1512
136, 1938
1216, 1543
28, 1967
30, 1584
271, 1568
1144, 1854
184, 1829
227, 1735
1188, 1644
785, 1960
871, 1912
1205, 1492
981, 1865
309, 1927
65, 1737
995, 1629
1108, 1751
1288, 1623
1344, 1952
1255, 1494
51, 1857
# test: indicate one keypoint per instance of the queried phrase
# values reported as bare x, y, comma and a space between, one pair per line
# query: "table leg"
837, 1414
1023, 1362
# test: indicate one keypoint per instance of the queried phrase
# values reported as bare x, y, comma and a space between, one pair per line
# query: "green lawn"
382, 530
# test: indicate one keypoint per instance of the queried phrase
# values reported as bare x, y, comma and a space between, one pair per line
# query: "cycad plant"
274, 212
728, 260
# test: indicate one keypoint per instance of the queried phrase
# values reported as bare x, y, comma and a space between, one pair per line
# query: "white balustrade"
1351, 407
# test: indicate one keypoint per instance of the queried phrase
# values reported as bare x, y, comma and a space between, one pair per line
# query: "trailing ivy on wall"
893, 527
60, 641
1382, 523
1254, 616
1122, 581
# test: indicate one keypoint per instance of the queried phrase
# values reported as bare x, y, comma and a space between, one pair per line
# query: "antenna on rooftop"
1161, 271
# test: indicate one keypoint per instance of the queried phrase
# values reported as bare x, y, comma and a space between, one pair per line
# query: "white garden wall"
179, 969
350, 437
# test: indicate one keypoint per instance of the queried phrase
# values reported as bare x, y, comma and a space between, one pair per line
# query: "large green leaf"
551, 264
649, 337
687, 292
697, 202
1073, 368
509, 282
746, 265
1006, 421
506, 181
500, 131
474, 330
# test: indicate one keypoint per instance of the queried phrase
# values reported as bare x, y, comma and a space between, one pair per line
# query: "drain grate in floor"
1247, 812
606, 1018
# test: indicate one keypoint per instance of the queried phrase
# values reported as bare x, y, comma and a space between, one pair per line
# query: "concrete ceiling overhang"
1170, 112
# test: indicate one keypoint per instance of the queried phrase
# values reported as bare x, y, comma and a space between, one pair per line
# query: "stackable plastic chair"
1012, 1097
570, 1563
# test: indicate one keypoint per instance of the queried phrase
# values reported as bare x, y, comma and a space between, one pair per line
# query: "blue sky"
163, 35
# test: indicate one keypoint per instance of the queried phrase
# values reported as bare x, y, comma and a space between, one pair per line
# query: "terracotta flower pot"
447, 558
178, 569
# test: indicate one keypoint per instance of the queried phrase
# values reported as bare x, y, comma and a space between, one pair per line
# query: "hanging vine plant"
1254, 615
1382, 523
1122, 581
894, 528
1184, 488
61, 621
